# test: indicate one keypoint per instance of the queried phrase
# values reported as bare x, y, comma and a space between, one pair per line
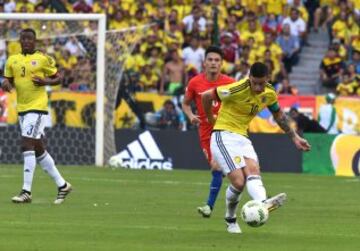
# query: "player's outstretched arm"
284, 122
53, 80
6, 84
194, 119
207, 99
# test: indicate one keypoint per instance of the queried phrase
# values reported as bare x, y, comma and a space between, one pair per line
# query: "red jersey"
197, 85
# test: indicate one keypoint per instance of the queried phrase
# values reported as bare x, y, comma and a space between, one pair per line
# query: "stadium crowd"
172, 49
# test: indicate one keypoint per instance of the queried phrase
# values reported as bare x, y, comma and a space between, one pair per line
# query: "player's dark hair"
214, 49
259, 70
29, 30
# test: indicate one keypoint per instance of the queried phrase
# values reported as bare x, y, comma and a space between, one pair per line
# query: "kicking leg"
256, 188
254, 183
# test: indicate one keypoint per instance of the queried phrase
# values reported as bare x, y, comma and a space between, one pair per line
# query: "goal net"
91, 59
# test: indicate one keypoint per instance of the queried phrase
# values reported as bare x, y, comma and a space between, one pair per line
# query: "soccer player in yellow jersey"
29, 73
230, 145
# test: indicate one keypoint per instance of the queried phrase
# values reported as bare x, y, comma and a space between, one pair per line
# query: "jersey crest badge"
263, 99
33, 63
237, 159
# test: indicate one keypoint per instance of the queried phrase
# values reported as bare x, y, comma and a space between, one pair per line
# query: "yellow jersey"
22, 68
239, 105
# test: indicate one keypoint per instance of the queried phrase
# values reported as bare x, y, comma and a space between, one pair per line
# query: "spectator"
173, 75
194, 54
290, 46
230, 49
237, 10
275, 49
304, 124
74, 46
324, 14
345, 28
231, 29
253, 33
297, 25
194, 22
339, 48
286, 88
346, 87
118, 21
148, 79
331, 68
81, 6
243, 70
304, 14
327, 116
9, 6
355, 60
170, 117
271, 24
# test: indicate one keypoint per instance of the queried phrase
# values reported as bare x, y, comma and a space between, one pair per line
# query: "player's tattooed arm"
284, 122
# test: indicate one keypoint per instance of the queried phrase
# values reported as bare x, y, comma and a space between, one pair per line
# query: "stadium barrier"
172, 149
332, 155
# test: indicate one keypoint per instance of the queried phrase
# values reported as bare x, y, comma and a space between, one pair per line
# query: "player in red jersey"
210, 78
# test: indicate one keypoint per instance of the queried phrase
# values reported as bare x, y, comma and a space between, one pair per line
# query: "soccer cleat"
205, 211
23, 197
232, 226
62, 193
275, 201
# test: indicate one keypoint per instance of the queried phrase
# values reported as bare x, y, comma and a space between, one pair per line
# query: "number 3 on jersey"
22, 71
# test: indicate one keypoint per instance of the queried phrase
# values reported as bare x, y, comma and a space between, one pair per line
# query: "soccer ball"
254, 213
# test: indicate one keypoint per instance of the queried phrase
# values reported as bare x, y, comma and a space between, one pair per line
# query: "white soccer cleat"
275, 202
62, 193
233, 228
23, 197
205, 211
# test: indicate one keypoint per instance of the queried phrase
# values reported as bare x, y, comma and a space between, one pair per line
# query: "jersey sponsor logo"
143, 153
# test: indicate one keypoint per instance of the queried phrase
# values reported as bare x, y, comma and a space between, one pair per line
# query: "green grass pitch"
156, 210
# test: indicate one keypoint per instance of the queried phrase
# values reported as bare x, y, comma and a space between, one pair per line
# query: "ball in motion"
254, 213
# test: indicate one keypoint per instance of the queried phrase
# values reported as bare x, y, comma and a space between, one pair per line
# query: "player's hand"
39, 81
195, 120
6, 85
301, 143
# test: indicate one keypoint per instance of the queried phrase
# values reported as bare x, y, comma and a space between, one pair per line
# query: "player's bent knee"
251, 168
238, 184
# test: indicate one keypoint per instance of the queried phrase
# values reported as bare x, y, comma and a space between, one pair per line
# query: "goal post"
100, 64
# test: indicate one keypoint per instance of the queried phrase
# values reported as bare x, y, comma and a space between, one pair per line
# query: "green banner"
318, 160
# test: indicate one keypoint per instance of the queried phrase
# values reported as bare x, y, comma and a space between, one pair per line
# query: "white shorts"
32, 125
229, 149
